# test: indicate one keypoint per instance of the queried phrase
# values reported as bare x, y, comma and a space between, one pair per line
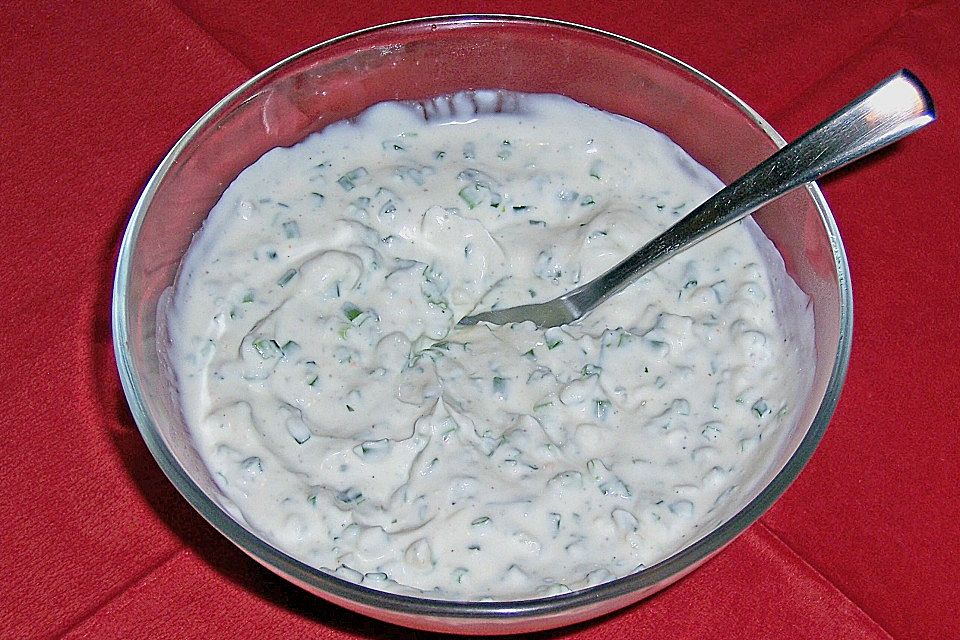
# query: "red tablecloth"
95, 542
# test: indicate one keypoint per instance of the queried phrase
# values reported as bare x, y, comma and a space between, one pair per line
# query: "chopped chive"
350, 496
298, 431
388, 210
351, 312
372, 448
267, 348
555, 517
760, 408
590, 370
286, 277
595, 169
350, 179
603, 406
252, 465
471, 195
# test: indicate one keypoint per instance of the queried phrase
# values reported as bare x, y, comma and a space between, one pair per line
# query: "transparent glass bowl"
423, 58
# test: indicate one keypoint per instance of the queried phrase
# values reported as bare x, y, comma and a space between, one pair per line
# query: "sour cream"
350, 422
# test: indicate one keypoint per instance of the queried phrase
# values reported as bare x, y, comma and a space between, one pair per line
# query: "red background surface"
95, 543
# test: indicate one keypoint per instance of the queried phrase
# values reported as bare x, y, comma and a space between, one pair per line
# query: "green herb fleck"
590, 370
595, 170
350, 179
555, 518
472, 195
286, 277
350, 496
603, 406
267, 348
291, 229
760, 408
351, 312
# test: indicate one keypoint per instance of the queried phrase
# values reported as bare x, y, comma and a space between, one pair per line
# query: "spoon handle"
893, 109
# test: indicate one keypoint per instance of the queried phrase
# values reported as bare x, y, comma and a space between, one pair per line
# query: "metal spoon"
895, 108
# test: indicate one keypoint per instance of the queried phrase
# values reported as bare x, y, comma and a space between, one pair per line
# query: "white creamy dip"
352, 425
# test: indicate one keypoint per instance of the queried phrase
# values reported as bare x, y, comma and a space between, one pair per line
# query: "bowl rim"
314, 579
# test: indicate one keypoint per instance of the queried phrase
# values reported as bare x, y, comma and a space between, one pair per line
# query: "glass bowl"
419, 59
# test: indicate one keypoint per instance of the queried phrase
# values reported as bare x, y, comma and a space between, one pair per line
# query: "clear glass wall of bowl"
423, 59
